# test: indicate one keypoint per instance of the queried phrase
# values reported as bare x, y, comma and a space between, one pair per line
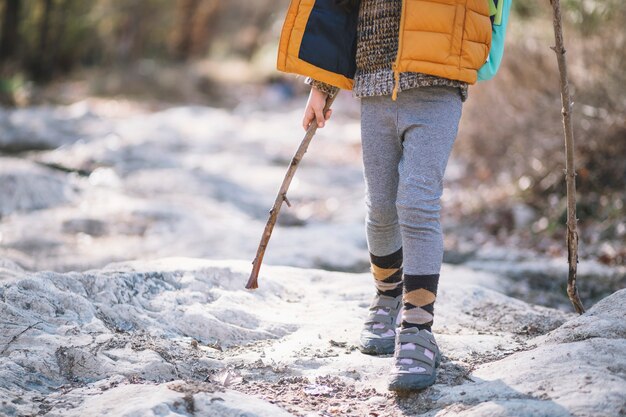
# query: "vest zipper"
396, 64
396, 83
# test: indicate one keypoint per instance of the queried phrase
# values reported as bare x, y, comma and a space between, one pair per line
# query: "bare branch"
570, 170
282, 196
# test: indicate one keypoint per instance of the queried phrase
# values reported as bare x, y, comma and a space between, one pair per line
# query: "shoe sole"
411, 382
377, 346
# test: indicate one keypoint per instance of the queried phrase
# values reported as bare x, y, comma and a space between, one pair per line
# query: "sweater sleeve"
331, 90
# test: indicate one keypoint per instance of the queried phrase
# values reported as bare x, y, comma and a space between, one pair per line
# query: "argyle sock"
387, 271
420, 292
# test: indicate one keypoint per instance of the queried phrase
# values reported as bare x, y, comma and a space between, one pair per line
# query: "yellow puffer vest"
447, 38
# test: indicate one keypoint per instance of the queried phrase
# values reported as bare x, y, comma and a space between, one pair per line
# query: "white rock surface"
173, 399
171, 337
47, 127
193, 181
25, 187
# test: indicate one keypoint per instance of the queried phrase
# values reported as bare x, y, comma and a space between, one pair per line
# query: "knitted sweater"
377, 47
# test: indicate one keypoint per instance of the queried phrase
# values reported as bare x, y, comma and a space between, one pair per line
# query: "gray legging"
406, 146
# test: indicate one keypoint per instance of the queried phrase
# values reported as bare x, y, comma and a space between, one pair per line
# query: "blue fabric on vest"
329, 40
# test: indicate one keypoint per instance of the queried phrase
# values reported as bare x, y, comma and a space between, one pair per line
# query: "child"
410, 63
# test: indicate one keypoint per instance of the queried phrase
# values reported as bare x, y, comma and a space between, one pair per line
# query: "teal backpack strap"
499, 12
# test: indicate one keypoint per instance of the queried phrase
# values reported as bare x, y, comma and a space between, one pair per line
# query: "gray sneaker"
379, 331
415, 360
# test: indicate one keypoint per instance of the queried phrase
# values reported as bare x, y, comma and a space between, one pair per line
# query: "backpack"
499, 11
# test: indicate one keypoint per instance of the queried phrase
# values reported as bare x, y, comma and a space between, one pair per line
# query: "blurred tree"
244, 25
589, 16
526, 9
41, 68
193, 32
9, 41
44, 38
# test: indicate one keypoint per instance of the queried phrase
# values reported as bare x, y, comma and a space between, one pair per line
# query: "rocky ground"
181, 337
190, 181
179, 190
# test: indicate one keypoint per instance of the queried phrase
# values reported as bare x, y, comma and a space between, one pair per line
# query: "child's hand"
314, 108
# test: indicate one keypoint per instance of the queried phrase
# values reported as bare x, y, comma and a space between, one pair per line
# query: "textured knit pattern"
331, 90
377, 47
406, 145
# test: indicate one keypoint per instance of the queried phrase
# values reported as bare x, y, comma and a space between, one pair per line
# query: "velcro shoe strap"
418, 355
392, 303
420, 341
380, 318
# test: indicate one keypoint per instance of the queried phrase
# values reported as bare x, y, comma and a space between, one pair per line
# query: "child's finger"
308, 118
319, 117
329, 113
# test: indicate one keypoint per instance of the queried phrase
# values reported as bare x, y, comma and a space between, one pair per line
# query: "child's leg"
381, 154
428, 120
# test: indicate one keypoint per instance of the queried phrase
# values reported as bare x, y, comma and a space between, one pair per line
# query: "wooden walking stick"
282, 196
570, 170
